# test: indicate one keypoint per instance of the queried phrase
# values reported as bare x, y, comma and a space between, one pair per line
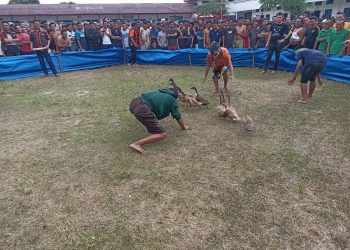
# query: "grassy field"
68, 179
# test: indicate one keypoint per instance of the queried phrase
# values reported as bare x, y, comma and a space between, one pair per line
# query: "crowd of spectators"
327, 35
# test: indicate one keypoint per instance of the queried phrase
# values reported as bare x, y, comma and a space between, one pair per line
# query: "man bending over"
151, 107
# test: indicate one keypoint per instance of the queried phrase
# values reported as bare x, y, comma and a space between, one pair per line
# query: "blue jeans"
107, 46
44, 53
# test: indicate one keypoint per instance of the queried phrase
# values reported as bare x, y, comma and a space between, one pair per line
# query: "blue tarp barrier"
337, 69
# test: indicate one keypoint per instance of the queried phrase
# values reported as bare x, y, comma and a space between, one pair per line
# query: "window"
317, 13
347, 12
348, 1
328, 13
279, 7
257, 10
330, 2
248, 15
318, 3
268, 17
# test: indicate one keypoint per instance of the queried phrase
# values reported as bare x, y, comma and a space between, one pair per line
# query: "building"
249, 8
76, 12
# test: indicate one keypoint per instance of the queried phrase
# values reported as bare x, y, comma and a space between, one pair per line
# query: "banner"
15, 67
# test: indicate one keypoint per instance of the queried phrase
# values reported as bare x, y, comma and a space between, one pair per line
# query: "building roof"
93, 9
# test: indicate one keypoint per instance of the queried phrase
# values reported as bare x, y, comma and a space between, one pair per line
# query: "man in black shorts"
151, 107
314, 62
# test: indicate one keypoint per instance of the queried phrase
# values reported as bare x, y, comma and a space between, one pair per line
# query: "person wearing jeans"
40, 39
275, 42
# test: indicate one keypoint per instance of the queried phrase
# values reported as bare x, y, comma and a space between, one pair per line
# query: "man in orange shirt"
220, 60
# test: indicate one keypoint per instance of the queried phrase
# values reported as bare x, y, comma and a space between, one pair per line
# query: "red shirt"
135, 34
224, 59
24, 37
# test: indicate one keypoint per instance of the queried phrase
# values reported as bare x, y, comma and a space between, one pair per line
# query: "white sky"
102, 1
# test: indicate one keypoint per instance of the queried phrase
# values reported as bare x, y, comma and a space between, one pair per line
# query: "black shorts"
144, 114
311, 71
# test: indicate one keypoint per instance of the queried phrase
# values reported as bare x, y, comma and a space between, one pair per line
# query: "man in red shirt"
40, 40
23, 39
220, 60
134, 42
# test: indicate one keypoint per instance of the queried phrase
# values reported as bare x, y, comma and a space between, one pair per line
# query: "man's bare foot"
216, 91
138, 148
129, 65
302, 101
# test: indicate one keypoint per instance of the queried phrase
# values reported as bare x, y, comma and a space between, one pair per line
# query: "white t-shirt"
106, 40
125, 34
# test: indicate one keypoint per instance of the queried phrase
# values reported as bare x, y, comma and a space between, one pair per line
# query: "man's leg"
268, 58
216, 84
304, 94
49, 61
277, 56
312, 87
42, 62
225, 76
147, 140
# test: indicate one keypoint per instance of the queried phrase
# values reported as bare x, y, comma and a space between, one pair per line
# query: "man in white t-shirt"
145, 36
106, 36
125, 34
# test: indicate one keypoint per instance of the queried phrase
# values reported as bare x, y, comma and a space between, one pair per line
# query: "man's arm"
328, 48
268, 40
182, 125
296, 73
206, 72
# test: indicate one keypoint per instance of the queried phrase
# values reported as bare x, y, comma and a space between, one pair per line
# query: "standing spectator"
93, 37
145, 36
230, 34
206, 35
56, 30
52, 44
263, 34
117, 37
253, 35
184, 34
221, 27
311, 34
63, 42
80, 37
40, 39
2, 37
24, 42
200, 38
215, 34
341, 17
192, 36
71, 35
323, 35
274, 42
241, 33
106, 36
162, 39
10, 41
247, 37
172, 35
134, 42
125, 34
297, 35
335, 40
154, 32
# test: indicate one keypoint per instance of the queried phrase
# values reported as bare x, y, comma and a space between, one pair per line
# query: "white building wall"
240, 8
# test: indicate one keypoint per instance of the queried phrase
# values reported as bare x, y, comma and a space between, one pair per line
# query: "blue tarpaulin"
27, 66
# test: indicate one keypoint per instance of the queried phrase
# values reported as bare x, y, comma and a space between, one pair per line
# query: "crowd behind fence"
328, 35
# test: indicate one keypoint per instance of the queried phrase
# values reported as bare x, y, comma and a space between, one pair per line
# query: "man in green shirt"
151, 107
323, 35
335, 40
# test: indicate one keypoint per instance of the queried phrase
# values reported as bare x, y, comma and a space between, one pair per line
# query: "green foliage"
215, 7
24, 2
295, 7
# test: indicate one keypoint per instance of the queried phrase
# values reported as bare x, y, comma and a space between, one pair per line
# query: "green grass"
68, 179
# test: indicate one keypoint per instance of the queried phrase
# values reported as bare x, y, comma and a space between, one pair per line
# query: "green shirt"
162, 103
322, 46
336, 38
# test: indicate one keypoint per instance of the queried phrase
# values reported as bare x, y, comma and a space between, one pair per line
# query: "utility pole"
220, 9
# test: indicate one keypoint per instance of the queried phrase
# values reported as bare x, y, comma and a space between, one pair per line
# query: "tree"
24, 2
217, 7
295, 7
